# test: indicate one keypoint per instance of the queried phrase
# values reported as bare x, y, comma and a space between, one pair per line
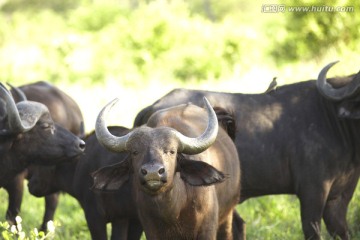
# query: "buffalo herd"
191, 157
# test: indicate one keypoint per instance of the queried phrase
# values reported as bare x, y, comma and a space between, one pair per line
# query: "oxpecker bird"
272, 86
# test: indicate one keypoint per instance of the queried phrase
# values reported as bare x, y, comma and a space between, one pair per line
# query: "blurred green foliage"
310, 34
36, 5
95, 41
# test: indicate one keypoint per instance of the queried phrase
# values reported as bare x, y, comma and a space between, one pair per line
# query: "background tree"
311, 34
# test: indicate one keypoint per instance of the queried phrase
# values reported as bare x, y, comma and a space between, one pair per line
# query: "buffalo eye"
47, 127
170, 152
134, 153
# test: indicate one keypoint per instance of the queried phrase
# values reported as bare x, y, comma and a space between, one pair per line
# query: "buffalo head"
347, 97
29, 135
156, 154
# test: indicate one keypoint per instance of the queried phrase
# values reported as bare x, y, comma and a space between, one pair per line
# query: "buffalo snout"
81, 144
153, 176
77, 149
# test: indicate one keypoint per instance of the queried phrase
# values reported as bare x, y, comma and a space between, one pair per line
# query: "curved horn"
12, 112
335, 93
201, 143
31, 112
105, 138
20, 94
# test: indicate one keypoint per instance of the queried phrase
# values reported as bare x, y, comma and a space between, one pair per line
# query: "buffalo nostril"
143, 171
161, 170
82, 145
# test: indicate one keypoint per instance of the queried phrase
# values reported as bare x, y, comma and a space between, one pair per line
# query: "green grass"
278, 217
267, 218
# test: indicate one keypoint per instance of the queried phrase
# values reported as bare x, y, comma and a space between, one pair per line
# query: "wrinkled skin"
65, 112
100, 208
291, 140
178, 196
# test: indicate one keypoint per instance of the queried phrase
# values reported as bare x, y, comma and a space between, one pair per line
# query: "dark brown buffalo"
28, 135
100, 208
300, 138
65, 112
184, 187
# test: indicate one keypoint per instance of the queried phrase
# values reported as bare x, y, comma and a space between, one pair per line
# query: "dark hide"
291, 141
65, 112
46, 143
100, 208
227, 121
184, 199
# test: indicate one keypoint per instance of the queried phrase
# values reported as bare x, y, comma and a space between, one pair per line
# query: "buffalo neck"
65, 174
172, 199
347, 130
11, 164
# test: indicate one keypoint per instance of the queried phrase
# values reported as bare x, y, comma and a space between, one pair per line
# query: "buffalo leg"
335, 218
225, 230
127, 229
51, 202
95, 222
119, 229
15, 189
208, 229
336, 209
310, 222
238, 227
312, 203
135, 229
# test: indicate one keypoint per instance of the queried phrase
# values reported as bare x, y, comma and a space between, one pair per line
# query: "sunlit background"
138, 50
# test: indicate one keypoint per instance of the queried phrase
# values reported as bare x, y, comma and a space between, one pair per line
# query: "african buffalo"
28, 135
65, 112
100, 208
184, 187
300, 138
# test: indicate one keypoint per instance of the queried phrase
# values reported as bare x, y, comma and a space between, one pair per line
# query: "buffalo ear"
349, 109
111, 177
198, 173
